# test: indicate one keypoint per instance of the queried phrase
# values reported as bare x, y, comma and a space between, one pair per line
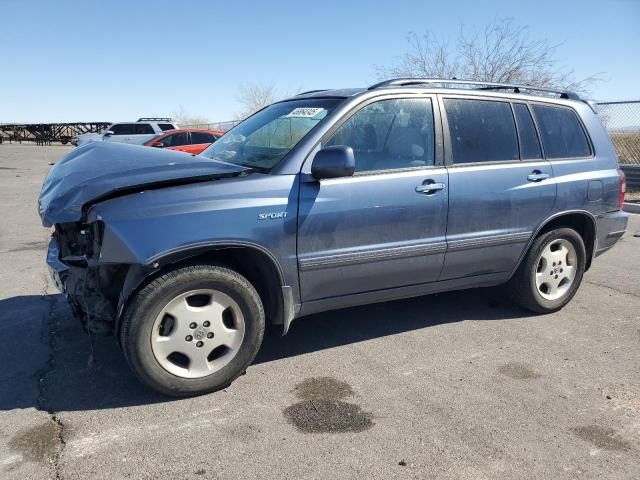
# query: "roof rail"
443, 82
311, 91
154, 119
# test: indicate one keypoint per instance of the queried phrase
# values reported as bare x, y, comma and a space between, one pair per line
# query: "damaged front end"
90, 262
91, 288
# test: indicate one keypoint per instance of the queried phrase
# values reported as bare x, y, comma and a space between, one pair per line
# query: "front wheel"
192, 330
551, 272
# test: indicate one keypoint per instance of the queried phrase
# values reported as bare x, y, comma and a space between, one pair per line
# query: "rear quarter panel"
590, 184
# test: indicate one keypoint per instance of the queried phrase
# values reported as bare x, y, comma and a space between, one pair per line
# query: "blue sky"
118, 60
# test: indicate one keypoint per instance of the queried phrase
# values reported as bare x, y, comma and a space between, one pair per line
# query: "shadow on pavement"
34, 327
351, 325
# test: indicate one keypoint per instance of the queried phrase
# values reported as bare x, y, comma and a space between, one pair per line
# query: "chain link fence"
221, 126
622, 120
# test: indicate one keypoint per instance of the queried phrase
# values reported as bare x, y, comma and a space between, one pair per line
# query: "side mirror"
333, 162
107, 133
158, 145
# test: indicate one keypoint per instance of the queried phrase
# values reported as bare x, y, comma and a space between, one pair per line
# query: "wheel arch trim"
546, 222
185, 251
138, 273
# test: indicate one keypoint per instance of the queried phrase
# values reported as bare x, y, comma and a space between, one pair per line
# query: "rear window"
166, 126
481, 131
561, 132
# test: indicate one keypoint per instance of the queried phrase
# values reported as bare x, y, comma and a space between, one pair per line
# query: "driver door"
382, 228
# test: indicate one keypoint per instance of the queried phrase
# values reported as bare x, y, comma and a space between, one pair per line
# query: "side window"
529, 144
177, 139
167, 141
389, 134
481, 130
562, 134
144, 129
123, 128
201, 137
166, 126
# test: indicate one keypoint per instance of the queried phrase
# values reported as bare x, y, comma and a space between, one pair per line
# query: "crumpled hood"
101, 169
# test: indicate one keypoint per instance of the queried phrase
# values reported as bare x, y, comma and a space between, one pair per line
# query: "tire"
161, 345
544, 282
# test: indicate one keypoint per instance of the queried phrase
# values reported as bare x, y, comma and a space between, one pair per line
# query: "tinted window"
529, 144
176, 140
201, 137
144, 129
481, 131
562, 134
123, 129
389, 134
166, 126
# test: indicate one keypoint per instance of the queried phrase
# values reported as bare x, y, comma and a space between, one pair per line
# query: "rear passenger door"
500, 186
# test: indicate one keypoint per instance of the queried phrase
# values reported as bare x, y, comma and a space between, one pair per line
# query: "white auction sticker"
304, 112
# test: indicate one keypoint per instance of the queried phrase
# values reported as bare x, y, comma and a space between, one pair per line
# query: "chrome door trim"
488, 241
373, 255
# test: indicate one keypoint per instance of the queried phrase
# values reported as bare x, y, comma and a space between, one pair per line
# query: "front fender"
144, 229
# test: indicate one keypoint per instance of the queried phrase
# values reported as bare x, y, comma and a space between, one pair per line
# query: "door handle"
428, 188
537, 176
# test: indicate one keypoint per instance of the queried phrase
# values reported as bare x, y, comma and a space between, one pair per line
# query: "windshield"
264, 139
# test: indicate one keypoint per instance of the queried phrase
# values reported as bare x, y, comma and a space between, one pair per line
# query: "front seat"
406, 146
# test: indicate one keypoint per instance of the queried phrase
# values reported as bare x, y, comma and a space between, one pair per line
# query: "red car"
186, 140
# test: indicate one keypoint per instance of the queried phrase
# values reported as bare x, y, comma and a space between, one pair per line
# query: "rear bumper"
609, 227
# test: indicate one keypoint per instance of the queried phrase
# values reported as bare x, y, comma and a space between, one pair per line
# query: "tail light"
623, 188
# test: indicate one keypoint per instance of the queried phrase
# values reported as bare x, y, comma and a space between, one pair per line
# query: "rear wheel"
551, 272
193, 330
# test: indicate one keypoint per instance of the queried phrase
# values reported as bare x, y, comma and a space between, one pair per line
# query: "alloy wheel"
197, 333
556, 269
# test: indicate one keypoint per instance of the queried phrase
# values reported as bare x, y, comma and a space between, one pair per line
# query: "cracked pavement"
458, 385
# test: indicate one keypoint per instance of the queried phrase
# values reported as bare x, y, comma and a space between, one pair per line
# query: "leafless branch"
183, 118
500, 52
255, 96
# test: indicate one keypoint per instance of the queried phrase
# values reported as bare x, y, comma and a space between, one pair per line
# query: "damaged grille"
90, 288
77, 242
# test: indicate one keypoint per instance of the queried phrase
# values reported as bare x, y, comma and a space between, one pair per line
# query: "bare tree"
185, 119
500, 52
255, 96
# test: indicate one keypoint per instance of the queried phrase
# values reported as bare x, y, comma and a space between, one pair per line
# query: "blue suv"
329, 199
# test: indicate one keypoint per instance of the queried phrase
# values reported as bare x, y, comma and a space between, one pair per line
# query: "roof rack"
311, 91
443, 82
154, 119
